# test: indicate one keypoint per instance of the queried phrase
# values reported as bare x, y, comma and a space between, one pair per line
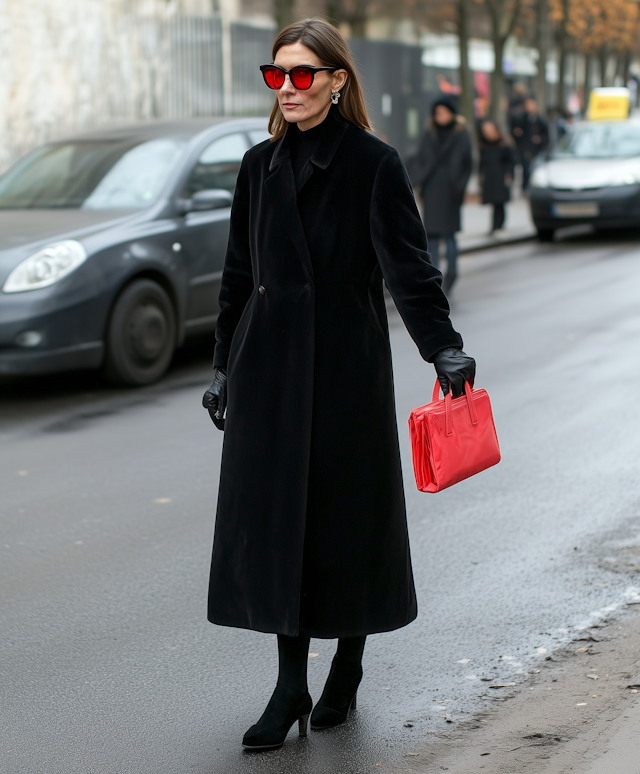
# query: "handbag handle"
447, 405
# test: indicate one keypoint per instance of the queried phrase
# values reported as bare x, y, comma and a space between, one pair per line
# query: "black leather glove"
215, 398
453, 366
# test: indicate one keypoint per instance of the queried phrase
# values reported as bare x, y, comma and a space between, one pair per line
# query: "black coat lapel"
281, 184
281, 191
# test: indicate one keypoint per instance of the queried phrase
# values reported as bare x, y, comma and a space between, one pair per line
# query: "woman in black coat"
311, 533
496, 171
440, 173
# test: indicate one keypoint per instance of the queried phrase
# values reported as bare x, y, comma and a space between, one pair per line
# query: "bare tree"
283, 13
503, 15
542, 40
466, 85
353, 12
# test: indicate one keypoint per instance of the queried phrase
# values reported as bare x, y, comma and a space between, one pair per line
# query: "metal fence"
250, 48
193, 82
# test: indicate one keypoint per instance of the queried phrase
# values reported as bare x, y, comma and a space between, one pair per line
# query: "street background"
108, 495
70, 65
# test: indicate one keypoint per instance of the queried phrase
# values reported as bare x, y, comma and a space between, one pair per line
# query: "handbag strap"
447, 405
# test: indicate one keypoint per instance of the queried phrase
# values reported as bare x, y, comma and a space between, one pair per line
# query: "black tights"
293, 656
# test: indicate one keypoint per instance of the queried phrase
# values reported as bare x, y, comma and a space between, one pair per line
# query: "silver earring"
335, 96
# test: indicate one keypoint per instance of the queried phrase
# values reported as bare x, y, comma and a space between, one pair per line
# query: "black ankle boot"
282, 711
338, 697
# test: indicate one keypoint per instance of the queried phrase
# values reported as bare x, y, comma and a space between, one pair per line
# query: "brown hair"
331, 49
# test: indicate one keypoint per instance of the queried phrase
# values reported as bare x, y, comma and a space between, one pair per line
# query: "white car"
591, 176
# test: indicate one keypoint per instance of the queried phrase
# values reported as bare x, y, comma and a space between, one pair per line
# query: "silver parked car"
591, 176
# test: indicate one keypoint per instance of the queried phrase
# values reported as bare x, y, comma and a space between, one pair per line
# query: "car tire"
141, 335
545, 234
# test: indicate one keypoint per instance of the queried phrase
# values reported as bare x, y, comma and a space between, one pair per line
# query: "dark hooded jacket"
311, 532
440, 172
496, 164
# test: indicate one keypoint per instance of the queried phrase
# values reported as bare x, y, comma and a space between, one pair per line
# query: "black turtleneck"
302, 146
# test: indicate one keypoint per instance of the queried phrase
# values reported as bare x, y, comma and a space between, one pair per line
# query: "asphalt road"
107, 504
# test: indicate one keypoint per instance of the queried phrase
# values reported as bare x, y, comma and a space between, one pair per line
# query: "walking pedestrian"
531, 134
496, 172
311, 533
441, 173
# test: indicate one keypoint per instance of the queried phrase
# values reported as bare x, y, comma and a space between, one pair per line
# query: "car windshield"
92, 175
600, 141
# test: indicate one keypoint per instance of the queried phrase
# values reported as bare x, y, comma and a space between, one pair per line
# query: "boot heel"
303, 722
354, 701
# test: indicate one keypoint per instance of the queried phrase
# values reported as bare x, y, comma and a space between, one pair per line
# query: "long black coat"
311, 534
441, 175
496, 162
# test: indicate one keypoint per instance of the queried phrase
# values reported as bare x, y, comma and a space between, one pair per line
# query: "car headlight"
46, 267
540, 178
624, 178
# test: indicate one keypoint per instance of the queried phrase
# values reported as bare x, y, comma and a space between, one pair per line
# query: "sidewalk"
476, 224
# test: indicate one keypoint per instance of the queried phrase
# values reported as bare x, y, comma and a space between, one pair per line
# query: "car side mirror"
212, 199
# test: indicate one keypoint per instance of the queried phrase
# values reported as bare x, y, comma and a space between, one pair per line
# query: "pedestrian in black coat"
311, 533
531, 134
495, 171
440, 172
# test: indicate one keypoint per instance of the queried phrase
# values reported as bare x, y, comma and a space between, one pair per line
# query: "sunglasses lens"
273, 77
302, 77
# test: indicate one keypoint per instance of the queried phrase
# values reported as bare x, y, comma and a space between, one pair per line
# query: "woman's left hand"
454, 367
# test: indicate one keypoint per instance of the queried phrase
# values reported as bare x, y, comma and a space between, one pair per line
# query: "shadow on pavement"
34, 395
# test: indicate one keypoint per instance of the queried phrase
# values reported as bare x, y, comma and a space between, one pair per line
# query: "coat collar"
333, 128
281, 185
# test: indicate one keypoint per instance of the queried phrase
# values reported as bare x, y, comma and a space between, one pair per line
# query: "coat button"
262, 290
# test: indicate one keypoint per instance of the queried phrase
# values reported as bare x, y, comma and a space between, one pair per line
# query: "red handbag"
452, 439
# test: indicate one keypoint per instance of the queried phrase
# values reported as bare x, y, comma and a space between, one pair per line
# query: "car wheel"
141, 335
546, 234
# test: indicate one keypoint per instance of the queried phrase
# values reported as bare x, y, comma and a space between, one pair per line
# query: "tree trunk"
466, 86
543, 45
603, 65
358, 26
497, 81
357, 17
588, 78
503, 20
333, 12
283, 13
562, 71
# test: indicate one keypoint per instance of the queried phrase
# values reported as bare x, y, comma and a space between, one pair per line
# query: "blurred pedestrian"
311, 531
516, 104
496, 172
531, 134
441, 172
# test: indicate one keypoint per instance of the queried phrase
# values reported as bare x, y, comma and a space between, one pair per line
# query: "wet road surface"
108, 662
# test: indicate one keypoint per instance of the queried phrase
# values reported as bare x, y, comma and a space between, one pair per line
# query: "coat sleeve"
237, 278
400, 243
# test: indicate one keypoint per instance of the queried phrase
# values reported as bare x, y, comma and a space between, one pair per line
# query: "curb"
489, 243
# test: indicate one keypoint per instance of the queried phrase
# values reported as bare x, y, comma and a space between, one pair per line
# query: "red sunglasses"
301, 76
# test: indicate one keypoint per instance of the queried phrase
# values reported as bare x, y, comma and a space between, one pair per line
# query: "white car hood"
581, 174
